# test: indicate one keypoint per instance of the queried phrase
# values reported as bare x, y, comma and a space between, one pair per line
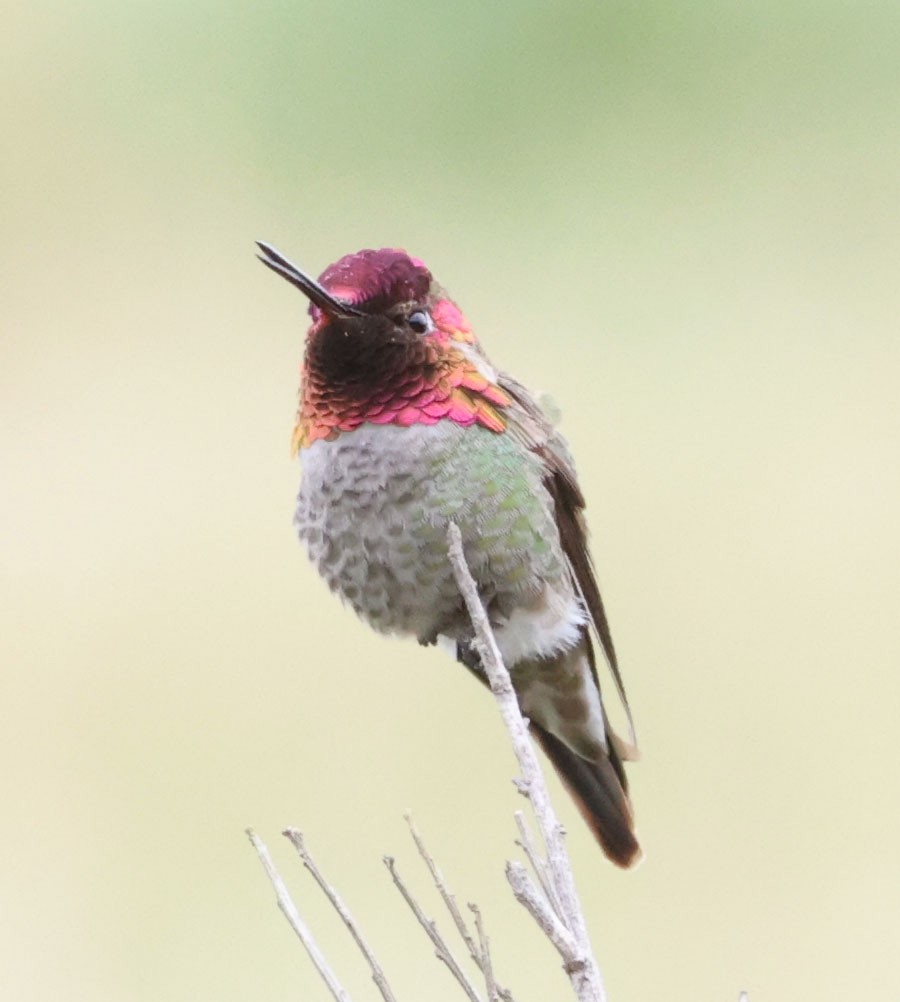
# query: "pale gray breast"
373, 510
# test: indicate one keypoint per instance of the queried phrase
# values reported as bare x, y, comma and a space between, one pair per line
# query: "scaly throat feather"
444, 386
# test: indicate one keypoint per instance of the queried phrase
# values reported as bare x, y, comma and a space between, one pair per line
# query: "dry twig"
448, 898
579, 961
495, 992
296, 839
538, 864
557, 910
442, 951
289, 909
551, 925
477, 951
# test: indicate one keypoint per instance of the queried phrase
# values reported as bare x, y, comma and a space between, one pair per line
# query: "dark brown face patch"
354, 357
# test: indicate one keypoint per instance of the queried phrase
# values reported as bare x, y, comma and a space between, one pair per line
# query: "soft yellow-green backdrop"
680, 219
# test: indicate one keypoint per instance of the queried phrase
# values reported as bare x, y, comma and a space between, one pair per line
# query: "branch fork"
550, 897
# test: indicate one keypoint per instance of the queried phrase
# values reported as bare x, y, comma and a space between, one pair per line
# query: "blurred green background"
681, 220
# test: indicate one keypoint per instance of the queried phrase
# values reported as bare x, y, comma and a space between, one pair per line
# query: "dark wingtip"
600, 797
625, 850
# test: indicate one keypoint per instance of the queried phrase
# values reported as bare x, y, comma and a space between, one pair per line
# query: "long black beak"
308, 286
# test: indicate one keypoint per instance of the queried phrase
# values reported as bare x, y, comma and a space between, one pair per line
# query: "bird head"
386, 346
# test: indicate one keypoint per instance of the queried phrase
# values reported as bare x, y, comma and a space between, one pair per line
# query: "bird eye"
420, 321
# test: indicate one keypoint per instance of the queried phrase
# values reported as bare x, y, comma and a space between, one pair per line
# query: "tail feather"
597, 785
600, 793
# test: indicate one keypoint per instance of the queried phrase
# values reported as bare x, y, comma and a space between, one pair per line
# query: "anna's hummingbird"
404, 426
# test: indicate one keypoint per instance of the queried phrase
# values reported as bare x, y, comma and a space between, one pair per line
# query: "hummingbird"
405, 426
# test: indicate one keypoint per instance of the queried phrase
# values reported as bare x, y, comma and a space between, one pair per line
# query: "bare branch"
477, 951
527, 894
496, 993
289, 909
296, 839
538, 864
449, 899
556, 911
580, 964
430, 926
